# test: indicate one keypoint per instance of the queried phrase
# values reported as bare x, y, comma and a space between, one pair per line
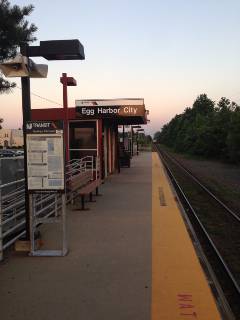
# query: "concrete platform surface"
107, 273
130, 258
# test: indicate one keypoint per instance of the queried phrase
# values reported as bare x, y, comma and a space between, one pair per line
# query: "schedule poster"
45, 156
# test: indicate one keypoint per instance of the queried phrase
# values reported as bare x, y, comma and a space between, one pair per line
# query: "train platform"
179, 286
130, 258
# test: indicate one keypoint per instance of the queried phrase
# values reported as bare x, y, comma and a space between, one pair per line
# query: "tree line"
207, 129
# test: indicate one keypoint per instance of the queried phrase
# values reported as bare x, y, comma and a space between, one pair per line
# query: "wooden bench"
82, 184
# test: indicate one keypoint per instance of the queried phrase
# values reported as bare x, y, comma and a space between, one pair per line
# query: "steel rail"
11, 183
44, 198
10, 230
14, 205
188, 172
206, 234
10, 242
14, 216
16, 192
44, 209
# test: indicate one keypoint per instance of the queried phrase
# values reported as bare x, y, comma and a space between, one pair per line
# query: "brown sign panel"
110, 111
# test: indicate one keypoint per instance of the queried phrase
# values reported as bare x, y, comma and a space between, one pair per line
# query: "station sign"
110, 108
45, 156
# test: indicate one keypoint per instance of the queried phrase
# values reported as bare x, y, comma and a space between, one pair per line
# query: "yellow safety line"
179, 286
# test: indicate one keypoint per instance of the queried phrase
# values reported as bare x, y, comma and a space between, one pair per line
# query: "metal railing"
12, 213
46, 207
76, 166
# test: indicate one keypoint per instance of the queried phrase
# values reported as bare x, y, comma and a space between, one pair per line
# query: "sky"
167, 52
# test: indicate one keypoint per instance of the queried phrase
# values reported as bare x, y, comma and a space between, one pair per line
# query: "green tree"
221, 125
14, 31
233, 137
143, 139
205, 129
203, 105
157, 135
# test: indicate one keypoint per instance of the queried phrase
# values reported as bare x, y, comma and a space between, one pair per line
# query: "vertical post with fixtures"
26, 112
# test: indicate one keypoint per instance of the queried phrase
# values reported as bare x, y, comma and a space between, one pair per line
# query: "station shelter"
91, 128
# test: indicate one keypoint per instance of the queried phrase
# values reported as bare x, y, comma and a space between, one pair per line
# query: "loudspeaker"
19, 67
16, 67
37, 70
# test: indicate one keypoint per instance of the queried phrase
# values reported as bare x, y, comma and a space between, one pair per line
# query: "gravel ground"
221, 178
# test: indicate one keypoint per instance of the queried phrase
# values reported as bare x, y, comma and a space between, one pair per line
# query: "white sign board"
45, 156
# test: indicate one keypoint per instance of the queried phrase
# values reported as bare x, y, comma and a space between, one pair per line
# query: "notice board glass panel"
83, 135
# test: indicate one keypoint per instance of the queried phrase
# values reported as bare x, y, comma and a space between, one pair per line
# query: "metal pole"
131, 141
65, 106
26, 111
117, 150
1, 228
32, 223
64, 226
137, 144
92, 166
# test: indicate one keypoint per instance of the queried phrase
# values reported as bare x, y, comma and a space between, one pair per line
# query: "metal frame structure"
76, 166
12, 213
45, 208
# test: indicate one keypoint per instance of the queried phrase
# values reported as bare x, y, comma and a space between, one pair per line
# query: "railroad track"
217, 227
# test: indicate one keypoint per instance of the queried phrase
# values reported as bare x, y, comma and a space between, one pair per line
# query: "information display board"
45, 156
